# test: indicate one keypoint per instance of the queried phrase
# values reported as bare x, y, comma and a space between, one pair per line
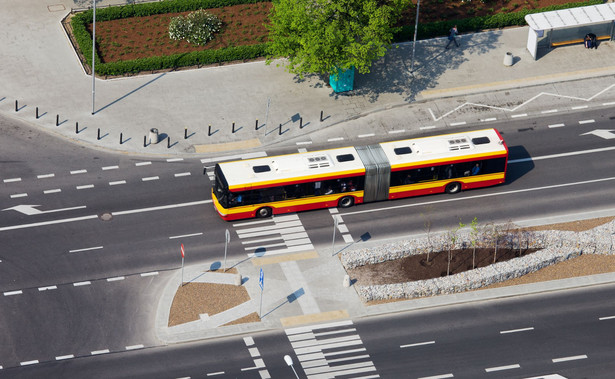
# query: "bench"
579, 40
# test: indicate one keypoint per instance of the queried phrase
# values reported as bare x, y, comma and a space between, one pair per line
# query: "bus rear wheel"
453, 187
346, 202
263, 212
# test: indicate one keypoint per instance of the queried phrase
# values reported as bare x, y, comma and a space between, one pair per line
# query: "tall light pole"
93, 54
416, 25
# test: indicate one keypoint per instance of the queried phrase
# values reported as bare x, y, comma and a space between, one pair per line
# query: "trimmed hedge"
80, 21
473, 24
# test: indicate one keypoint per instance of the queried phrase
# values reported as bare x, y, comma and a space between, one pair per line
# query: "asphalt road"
75, 283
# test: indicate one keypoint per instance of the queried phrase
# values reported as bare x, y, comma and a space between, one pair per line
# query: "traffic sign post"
335, 223
261, 283
182, 251
227, 239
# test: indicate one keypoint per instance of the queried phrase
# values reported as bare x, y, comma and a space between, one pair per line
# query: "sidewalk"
49, 76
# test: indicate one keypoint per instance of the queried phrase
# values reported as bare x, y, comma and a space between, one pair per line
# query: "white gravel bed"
556, 246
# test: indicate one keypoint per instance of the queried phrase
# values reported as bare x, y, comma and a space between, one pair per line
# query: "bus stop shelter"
569, 26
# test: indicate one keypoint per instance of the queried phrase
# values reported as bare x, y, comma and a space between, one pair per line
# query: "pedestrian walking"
452, 37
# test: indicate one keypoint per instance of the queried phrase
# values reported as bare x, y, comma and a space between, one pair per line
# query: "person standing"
452, 37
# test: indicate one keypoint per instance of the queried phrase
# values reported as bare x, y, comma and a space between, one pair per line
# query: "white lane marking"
606, 318
115, 278
186, 235
335, 139
85, 186
143, 164
85, 249
56, 190
48, 288
132, 211
249, 341
11, 293
443, 376
12, 180
427, 127
97, 352
135, 347
19, 195
110, 168
417, 344
215, 373
254, 352
153, 273
570, 154
610, 103
118, 182
396, 131
501, 368
366, 135
518, 115
516, 330
150, 178
302, 150
85, 283
556, 125
257, 154
549, 111
480, 196
488, 119
62, 357
304, 143
75, 172
44, 176
458, 123
182, 174
26, 363
579, 107
175, 159
572, 358
587, 121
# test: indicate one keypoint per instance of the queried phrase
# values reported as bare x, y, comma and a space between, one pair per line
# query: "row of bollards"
155, 140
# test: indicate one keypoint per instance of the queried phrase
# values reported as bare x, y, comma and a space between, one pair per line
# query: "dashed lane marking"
215, 373
98, 352
566, 359
150, 178
182, 174
135, 347
397, 131
19, 195
443, 376
502, 368
417, 344
85, 249
175, 159
45, 176
587, 121
86, 186
27, 363
458, 123
47, 288
85, 283
153, 273
186, 235
110, 168
304, 143
610, 103
76, 172
518, 115
427, 127
115, 278
580, 107
488, 119
366, 135
606, 318
11, 293
55, 190
62, 357
12, 180
549, 111
516, 330
335, 139
556, 125
143, 164
118, 182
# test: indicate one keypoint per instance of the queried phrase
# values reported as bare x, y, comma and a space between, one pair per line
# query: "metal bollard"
169, 142
16, 106
320, 116
98, 135
280, 130
37, 113
57, 120
209, 131
121, 138
76, 127
233, 129
256, 125
144, 141
300, 122
185, 133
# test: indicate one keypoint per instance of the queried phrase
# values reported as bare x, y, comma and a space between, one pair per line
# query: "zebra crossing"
276, 235
332, 350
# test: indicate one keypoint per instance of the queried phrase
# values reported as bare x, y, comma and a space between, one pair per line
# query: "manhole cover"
105, 216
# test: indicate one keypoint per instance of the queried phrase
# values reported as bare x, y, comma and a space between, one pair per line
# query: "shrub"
198, 27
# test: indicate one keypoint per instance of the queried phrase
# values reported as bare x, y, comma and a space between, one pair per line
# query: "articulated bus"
346, 176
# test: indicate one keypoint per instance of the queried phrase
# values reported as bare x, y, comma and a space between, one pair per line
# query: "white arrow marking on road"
602, 133
31, 209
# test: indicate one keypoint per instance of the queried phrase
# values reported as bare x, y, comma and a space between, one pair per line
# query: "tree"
427, 224
452, 237
474, 233
322, 36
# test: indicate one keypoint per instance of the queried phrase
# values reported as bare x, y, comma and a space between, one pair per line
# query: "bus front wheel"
263, 212
346, 202
453, 187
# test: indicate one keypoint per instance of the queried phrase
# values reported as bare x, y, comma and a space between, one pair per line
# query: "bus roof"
244, 174
443, 148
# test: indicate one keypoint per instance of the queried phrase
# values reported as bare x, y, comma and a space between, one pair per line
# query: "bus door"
377, 172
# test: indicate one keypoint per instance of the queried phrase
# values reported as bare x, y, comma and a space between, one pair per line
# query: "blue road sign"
261, 280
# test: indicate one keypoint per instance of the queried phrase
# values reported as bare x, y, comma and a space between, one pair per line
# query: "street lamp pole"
289, 361
93, 54
416, 25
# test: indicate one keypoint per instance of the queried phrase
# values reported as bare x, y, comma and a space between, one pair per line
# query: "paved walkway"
451, 87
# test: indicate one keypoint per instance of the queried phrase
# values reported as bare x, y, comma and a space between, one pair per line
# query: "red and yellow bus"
346, 176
